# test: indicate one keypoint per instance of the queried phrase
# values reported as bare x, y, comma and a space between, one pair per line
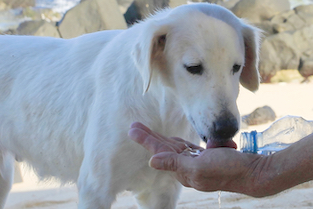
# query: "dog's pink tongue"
213, 144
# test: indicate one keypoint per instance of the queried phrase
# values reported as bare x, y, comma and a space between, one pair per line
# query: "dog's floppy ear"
148, 52
250, 77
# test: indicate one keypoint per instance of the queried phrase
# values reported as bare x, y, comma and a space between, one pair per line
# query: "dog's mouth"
224, 143
215, 143
219, 140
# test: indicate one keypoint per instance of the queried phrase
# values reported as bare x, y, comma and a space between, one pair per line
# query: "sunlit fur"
66, 105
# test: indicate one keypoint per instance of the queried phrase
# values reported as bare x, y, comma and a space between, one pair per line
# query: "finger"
138, 135
180, 164
176, 143
140, 126
164, 161
171, 161
178, 139
156, 135
146, 129
193, 146
179, 142
151, 143
143, 138
186, 144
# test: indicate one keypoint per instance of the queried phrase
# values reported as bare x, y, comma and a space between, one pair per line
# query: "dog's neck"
172, 120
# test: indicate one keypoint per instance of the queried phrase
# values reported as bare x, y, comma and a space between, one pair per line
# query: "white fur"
66, 105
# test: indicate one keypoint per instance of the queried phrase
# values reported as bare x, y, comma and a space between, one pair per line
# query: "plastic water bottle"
278, 136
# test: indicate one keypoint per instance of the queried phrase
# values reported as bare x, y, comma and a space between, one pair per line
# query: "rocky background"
287, 41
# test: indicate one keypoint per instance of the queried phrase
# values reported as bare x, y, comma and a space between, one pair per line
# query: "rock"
303, 39
225, 3
3, 6
9, 32
38, 28
306, 67
176, 3
124, 5
278, 52
283, 51
259, 116
91, 16
282, 17
257, 11
295, 19
40, 14
228, 4
287, 21
305, 12
132, 14
147, 7
141, 9
267, 27
11, 4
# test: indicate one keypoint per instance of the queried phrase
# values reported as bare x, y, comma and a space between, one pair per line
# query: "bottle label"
249, 142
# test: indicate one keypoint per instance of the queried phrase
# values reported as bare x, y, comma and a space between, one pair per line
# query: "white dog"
66, 105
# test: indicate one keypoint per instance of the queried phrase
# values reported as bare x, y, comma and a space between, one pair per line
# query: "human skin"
226, 169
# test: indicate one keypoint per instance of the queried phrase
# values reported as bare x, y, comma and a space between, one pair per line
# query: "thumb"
168, 161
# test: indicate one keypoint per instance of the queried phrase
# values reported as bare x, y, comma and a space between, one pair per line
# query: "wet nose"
225, 127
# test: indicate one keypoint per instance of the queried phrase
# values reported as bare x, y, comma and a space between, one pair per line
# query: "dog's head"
201, 52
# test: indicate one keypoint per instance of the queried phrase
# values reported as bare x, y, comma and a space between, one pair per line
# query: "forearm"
284, 169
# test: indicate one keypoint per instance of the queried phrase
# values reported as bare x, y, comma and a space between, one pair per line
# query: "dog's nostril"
204, 138
225, 128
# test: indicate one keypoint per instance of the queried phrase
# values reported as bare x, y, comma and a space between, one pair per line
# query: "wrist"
253, 176
263, 177
258, 176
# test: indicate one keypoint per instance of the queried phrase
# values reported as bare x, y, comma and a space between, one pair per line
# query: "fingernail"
155, 163
131, 125
131, 134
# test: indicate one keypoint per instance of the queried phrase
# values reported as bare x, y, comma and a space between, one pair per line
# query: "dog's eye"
236, 68
194, 69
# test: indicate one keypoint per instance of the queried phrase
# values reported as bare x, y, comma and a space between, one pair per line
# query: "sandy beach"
285, 99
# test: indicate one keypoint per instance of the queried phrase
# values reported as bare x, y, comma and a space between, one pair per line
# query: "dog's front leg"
6, 175
94, 192
94, 182
163, 194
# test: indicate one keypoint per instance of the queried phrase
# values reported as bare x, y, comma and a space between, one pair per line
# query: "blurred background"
287, 25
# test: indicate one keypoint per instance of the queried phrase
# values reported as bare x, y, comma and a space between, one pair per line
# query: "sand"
285, 99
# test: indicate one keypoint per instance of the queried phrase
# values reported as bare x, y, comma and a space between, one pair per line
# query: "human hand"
214, 169
157, 143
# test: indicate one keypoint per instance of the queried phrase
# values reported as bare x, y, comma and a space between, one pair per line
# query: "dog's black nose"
225, 127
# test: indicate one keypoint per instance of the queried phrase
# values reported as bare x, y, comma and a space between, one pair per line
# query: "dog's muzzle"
222, 132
